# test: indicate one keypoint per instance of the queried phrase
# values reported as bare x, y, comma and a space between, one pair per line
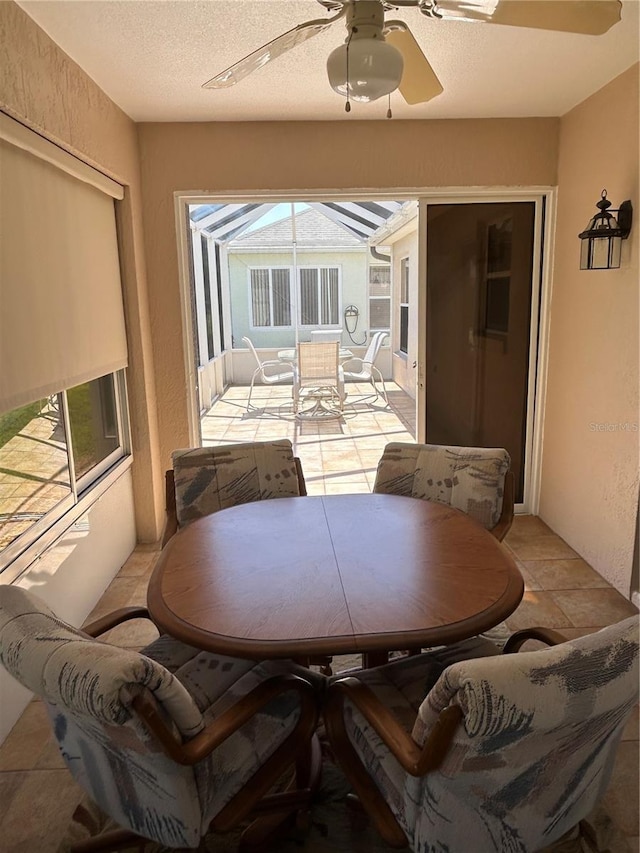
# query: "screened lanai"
280, 272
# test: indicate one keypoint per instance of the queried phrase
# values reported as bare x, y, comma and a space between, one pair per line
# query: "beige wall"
41, 87
227, 156
590, 472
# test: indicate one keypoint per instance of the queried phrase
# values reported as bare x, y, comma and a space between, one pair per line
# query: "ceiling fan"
379, 56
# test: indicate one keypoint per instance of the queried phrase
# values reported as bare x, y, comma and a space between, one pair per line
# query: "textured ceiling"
152, 58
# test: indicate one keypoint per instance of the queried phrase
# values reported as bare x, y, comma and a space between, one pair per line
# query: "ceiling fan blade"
419, 83
272, 50
588, 17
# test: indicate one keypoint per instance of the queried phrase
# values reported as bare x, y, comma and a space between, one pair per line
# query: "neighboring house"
276, 286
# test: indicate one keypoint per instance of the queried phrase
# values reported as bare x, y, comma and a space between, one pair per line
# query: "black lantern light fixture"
602, 239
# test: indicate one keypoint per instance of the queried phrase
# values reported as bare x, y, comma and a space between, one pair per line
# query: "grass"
12, 423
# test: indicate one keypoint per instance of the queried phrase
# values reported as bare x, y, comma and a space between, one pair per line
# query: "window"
270, 297
51, 452
496, 285
319, 296
404, 305
380, 297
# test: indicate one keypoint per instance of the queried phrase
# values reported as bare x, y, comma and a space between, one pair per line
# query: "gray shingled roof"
312, 229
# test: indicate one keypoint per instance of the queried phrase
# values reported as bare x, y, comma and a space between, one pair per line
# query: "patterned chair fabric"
470, 479
88, 686
534, 751
208, 479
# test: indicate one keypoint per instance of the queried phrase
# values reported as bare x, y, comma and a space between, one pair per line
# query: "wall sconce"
603, 236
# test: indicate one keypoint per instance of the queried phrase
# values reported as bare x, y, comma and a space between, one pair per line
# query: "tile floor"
37, 794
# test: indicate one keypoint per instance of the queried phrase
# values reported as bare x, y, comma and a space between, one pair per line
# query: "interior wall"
589, 491
290, 156
45, 90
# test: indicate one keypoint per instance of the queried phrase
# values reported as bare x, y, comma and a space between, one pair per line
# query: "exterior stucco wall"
589, 491
352, 272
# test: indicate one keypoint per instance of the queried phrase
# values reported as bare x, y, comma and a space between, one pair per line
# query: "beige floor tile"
530, 582
27, 740
140, 563
623, 794
632, 728
40, 812
593, 607
538, 608
345, 488
528, 525
564, 574
540, 547
10, 784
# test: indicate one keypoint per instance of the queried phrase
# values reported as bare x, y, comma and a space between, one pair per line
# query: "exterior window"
52, 451
404, 305
270, 297
319, 296
380, 298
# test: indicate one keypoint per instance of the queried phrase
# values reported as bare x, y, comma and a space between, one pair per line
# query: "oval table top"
332, 575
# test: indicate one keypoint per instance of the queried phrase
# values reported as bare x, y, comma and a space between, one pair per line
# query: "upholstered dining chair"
475, 480
494, 753
206, 479
364, 369
168, 742
269, 372
318, 375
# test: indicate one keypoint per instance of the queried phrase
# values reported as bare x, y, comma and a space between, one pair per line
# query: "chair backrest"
318, 363
374, 347
470, 479
250, 346
88, 688
208, 479
535, 748
326, 335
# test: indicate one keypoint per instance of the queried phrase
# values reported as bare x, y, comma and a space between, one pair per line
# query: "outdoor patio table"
335, 574
291, 355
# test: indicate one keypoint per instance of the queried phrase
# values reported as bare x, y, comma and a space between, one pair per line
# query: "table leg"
371, 659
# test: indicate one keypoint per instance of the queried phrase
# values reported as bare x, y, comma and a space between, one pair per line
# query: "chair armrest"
545, 635
171, 523
222, 727
106, 623
416, 760
302, 486
506, 516
353, 365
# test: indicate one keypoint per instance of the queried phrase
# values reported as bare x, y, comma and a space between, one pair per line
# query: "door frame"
544, 197
545, 200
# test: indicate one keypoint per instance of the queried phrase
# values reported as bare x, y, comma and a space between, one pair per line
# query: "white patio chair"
270, 372
364, 369
319, 376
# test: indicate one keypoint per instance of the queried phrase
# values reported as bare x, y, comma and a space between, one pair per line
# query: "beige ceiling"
152, 58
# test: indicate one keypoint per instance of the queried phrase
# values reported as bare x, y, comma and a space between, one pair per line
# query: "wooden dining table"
334, 574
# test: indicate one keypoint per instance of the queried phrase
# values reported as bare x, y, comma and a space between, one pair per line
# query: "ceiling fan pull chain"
347, 106
389, 113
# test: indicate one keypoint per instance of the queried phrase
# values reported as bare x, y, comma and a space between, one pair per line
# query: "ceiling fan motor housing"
365, 67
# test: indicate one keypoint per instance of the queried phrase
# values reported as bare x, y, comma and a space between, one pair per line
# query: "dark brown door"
479, 288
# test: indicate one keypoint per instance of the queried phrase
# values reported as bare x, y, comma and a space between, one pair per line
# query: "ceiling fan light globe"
374, 69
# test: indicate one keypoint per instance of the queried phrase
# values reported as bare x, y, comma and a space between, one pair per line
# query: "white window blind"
61, 313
